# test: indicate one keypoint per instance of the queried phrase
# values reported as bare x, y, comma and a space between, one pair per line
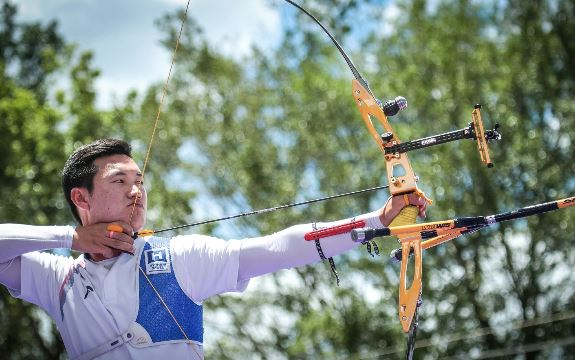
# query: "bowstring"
160, 106
146, 159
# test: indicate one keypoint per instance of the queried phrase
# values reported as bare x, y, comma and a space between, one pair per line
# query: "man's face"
117, 187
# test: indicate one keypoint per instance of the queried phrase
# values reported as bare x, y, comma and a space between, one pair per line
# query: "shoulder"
43, 275
206, 266
202, 244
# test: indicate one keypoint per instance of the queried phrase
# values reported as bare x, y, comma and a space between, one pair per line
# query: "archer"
126, 298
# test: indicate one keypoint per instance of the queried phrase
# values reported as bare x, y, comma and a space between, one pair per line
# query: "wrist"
73, 238
65, 238
374, 219
385, 213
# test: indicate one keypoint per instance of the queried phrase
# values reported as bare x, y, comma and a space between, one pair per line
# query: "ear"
80, 197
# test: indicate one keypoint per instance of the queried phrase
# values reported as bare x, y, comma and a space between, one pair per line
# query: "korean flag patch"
158, 261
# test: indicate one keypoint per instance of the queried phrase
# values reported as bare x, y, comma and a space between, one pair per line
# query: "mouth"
137, 205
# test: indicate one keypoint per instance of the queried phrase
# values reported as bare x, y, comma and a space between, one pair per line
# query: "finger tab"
115, 227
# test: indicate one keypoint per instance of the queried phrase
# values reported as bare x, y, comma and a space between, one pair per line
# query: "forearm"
16, 239
288, 248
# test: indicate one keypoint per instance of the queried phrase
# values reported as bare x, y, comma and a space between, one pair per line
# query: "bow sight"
473, 131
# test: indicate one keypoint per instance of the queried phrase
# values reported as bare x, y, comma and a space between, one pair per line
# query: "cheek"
109, 200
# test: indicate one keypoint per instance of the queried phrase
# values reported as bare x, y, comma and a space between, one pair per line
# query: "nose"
136, 191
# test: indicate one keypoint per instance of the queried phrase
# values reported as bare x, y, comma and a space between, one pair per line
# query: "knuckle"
127, 239
107, 252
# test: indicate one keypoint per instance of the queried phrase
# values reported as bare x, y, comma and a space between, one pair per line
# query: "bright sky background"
125, 39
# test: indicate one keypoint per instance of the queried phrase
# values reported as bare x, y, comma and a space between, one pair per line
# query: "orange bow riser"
400, 174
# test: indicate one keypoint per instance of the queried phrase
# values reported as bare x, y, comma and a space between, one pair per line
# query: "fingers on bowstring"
121, 227
119, 237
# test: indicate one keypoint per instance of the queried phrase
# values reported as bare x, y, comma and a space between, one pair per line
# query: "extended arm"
287, 248
207, 266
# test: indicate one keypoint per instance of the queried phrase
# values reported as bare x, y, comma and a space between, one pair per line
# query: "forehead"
110, 165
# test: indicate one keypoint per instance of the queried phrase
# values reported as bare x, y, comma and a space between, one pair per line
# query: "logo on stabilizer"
157, 261
428, 141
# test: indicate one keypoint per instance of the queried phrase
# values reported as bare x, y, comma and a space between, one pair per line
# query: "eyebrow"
115, 172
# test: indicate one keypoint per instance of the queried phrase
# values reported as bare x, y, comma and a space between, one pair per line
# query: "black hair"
79, 170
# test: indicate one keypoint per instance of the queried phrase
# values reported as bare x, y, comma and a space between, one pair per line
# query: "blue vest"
154, 325
155, 261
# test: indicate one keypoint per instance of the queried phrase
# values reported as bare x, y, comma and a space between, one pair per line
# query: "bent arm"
16, 240
288, 248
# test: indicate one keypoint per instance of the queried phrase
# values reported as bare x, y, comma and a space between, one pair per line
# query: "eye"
118, 181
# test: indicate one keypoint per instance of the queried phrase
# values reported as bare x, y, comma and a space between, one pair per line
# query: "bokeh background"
258, 113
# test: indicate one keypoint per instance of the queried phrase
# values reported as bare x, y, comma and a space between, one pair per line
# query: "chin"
138, 224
